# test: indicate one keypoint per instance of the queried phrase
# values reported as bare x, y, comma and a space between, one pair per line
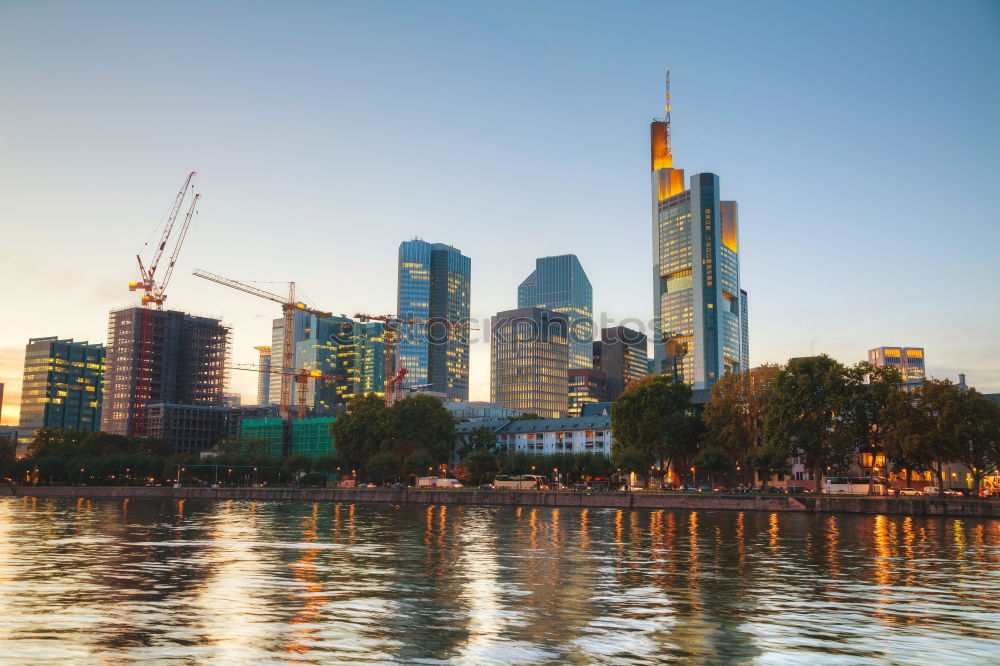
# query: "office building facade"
185, 364
699, 308
351, 353
908, 360
529, 361
264, 376
434, 290
585, 387
561, 285
63, 385
622, 356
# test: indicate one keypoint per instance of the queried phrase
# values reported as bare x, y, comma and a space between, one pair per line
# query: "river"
227, 582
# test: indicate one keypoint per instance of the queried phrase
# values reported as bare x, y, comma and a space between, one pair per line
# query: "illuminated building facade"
63, 385
434, 287
586, 387
352, 352
529, 361
908, 360
264, 377
561, 285
700, 312
621, 355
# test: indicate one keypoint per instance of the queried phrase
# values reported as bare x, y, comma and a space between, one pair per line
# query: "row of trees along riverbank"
814, 408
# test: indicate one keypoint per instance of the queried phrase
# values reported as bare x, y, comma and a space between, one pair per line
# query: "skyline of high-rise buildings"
434, 293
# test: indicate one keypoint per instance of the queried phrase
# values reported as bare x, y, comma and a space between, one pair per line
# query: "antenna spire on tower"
666, 118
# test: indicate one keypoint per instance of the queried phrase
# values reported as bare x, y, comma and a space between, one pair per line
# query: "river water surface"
226, 582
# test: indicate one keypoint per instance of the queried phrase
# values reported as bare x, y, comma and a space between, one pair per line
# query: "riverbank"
910, 506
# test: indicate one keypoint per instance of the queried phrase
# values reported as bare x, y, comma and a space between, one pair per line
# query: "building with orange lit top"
908, 360
700, 329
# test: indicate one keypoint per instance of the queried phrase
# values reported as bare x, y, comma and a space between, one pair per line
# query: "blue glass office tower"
700, 312
63, 385
434, 287
561, 285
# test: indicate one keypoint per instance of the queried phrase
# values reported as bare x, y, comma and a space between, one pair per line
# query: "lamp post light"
555, 475
694, 479
80, 483
229, 477
254, 477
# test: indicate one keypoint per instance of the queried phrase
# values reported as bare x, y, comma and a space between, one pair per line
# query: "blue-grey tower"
561, 285
434, 287
700, 312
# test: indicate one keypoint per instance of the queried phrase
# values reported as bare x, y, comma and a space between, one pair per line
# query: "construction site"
167, 371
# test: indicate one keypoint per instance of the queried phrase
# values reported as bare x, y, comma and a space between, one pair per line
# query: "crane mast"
288, 308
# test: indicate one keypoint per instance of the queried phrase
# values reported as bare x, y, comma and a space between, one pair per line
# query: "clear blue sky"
860, 139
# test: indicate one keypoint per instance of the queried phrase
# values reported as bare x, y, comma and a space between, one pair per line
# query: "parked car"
951, 492
486, 486
704, 489
909, 492
798, 490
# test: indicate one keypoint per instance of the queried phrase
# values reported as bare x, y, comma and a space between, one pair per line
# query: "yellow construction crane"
289, 306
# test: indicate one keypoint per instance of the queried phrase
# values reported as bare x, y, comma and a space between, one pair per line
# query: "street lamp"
81, 477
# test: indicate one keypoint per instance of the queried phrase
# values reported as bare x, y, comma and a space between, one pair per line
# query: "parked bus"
437, 482
854, 485
524, 482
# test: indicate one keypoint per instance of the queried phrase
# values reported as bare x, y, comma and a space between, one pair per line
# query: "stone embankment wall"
913, 506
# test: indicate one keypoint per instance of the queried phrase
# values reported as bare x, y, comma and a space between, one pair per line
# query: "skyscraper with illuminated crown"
700, 330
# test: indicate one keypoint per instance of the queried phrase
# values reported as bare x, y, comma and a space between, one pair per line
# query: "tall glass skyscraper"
700, 312
434, 287
561, 285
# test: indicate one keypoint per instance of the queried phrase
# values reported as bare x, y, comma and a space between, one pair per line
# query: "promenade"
910, 506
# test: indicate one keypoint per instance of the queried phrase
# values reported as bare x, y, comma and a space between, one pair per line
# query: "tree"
978, 442
517, 463
653, 420
382, 466
808, 394
714, 460
296, 465
362, 430
768, 460
629, 460
420, 463
863, 419
424, 420
736, 415
479, 464
480, 439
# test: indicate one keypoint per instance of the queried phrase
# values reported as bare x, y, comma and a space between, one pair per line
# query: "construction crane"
394, 380
155, 294
302, 377
289, 306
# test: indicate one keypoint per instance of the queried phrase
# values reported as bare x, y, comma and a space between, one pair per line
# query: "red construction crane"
154, 293
288, 308
392, 324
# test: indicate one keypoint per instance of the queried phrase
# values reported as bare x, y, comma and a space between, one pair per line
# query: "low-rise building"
586, 434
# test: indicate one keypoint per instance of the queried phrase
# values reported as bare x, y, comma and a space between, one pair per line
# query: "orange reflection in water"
304, 569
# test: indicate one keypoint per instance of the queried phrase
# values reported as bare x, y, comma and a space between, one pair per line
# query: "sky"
860, 140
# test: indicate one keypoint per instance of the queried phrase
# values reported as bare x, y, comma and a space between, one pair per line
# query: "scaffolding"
185, 363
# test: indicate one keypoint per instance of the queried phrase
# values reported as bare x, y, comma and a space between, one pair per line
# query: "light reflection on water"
109, 581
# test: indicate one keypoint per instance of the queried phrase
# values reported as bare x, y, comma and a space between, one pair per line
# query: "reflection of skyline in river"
227, 582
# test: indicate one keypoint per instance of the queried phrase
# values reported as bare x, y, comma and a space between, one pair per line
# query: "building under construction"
161, 356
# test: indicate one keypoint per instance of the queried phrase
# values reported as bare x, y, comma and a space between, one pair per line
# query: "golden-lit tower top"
667, 180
